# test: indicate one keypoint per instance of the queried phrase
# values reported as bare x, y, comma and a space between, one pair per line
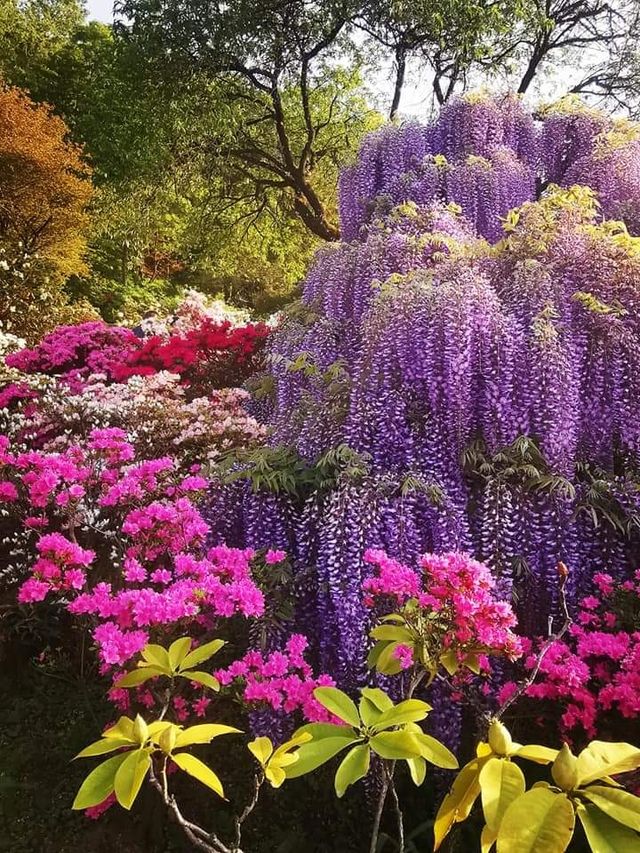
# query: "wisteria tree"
462, 371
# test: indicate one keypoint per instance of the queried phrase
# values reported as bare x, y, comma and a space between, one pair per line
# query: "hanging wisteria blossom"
464, 370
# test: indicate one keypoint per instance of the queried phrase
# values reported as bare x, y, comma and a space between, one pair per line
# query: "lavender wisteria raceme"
476, 342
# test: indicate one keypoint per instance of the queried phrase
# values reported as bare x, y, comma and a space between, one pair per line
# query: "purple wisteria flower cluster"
475, 341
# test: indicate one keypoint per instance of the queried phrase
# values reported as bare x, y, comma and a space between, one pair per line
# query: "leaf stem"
563, 574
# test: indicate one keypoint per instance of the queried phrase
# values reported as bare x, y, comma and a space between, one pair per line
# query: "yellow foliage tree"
45, 185
45, 189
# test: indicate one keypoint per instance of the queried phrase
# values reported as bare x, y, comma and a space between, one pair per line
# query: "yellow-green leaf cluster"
175, 662
542, 820
417, 630
375, 725
123, 774
275, 761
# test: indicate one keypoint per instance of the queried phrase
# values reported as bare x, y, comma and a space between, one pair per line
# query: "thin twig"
199, 837
240, 819
389, 769
375, 830
399, 816
563, 574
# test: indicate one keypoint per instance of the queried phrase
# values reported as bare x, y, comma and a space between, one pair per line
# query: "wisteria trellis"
485, 365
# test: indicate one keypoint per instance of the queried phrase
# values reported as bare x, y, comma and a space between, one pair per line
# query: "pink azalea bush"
150, 573
141, 519
281, 680
591, 679
455, 593
76, 351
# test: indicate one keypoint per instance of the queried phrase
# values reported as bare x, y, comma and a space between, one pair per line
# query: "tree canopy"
44, 184
216, 132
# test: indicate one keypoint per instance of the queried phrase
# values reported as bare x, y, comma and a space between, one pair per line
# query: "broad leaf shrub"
582, 788
544, 817
79, 377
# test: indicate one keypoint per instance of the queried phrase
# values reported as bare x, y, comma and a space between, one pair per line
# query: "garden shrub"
449, 464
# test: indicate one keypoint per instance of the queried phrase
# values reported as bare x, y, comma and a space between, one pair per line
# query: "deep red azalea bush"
214, 354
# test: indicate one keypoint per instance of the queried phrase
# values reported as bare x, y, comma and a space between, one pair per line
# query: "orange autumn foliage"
45, 185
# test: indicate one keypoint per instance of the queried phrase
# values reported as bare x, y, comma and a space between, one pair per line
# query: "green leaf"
458, 803
204, 734
262, 749
501, 782
338, 703
317, 752
139, 676
436, 752
283, 755
537, 753
377, 697
318, 731
199, 770
158, 726
99, 783
604, 834
122, 729
417, 769
157, 656
168, 739
487, 839
178, 650
368, 711
204, 678
396, 745
449, 661
353, 766
202, 653
601, 759
539, 821
394, 617
275, 775
619, 805
397, 633
408, 711
387, 662
374, 654
102, 747
130, 776
472, 662
140, 730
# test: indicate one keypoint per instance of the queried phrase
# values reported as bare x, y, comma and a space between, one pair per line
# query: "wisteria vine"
474, 343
